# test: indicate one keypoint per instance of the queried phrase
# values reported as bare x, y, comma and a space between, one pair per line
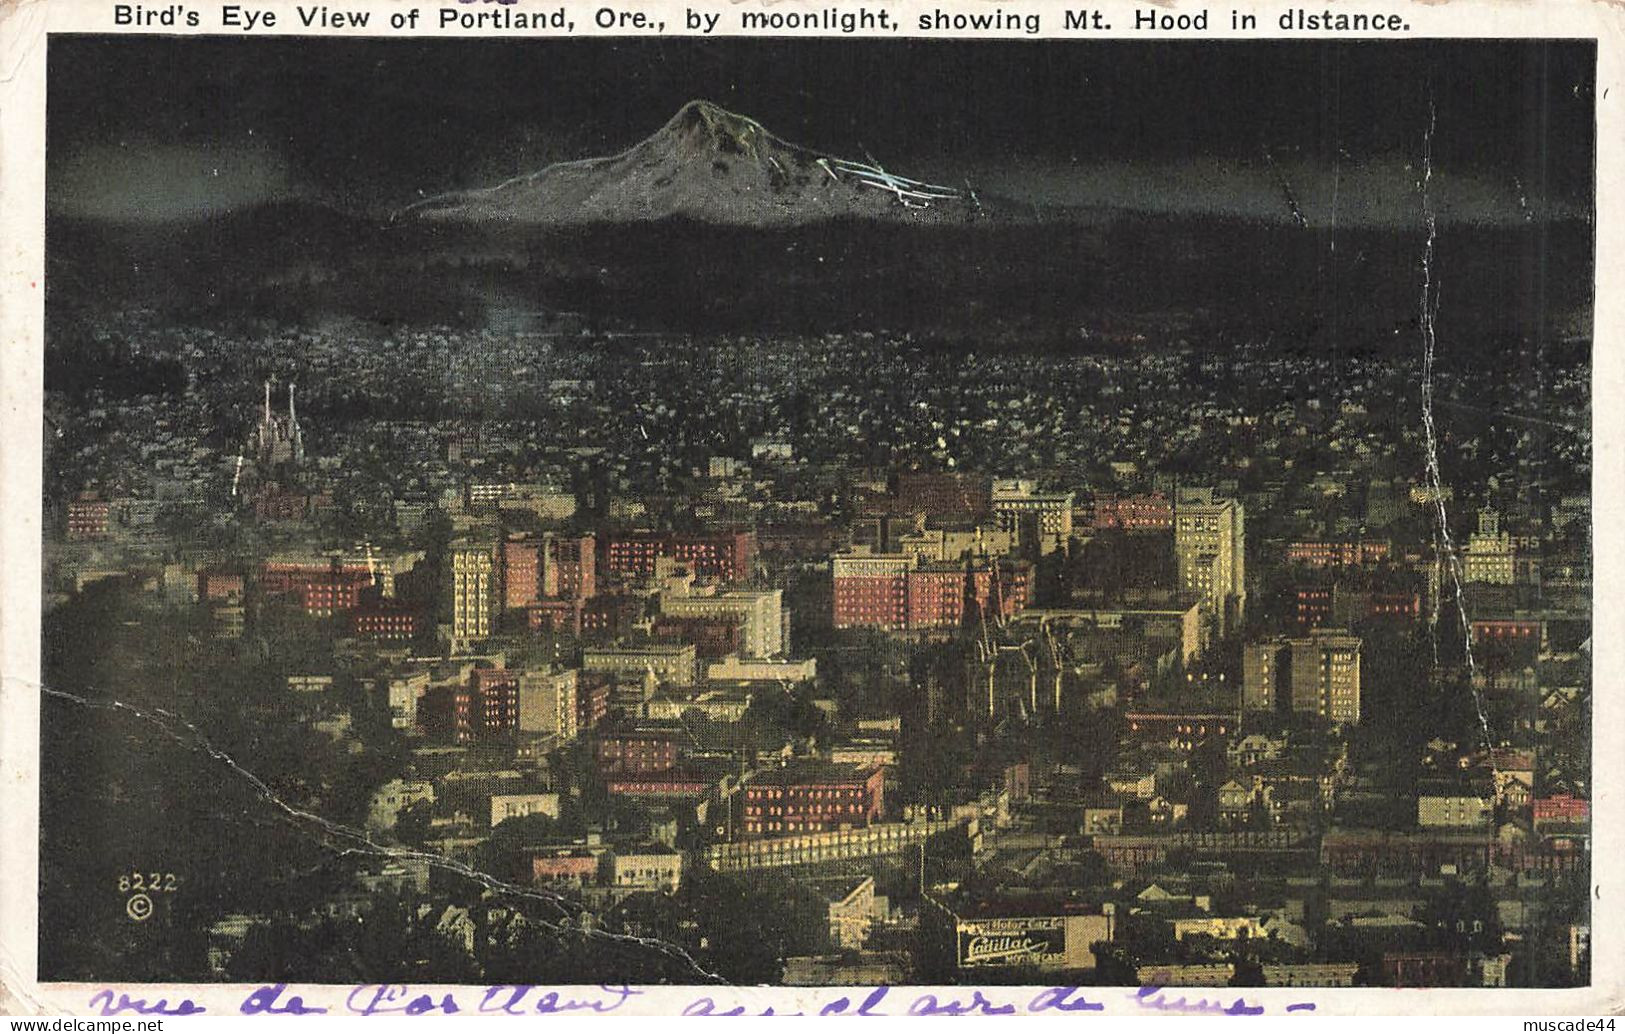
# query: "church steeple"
970, 612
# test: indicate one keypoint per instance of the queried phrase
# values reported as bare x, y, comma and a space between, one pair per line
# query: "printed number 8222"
156, 882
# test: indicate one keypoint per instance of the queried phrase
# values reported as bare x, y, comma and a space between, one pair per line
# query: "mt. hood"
710, 165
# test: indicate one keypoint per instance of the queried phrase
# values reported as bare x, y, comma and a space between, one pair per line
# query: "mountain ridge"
711, 165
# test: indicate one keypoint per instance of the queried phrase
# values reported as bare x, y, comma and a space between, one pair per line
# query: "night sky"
172, 127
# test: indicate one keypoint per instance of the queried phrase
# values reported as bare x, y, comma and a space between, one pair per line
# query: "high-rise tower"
1210, 546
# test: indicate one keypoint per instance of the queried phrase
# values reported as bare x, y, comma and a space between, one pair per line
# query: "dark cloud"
1377, 192
373, 124
144, 181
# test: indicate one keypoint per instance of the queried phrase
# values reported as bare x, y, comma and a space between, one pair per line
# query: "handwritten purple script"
535, 1000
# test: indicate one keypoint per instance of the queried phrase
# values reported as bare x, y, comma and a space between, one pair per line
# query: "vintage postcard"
891, 508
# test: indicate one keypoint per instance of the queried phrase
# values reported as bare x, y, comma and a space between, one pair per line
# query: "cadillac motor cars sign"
1024, 941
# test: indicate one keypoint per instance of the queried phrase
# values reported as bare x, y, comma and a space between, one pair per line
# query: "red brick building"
633, 752
722, 556
592, 701
892, 593
385, 621
673, 783
336, 592
219, 585
564, 867
1337, 553
1506, 630
607, 615
561, 617
1561, 810
1314, 608
1350, 606
812, 796
712, 638
944, 495
571, 570
323, 588
1504, 642
487, 708
521, 573
871, 590
936, 596
1132, 513
936, 592
1407, 605
1423, 969
89, 519
1378, 853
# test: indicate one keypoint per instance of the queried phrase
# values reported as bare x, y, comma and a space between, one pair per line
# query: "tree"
1114, 966
412, 825
1462, 917
744, 933
1248, 972
499, 854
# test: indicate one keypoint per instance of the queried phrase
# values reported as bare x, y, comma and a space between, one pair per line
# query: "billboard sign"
1021, 941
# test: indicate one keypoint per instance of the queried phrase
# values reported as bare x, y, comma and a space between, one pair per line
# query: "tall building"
636, 751
473, 591
1490, 555
485, 708
761, 612
403, 691
1264, 670
1352, 606
569, 567
333, 592
547, 703
713, 638
521, 572
592, 701
1326, 675
893, 591
1041, 520
1210, 547
1314, 607
938, 594
871, 590
1316, 674
1384, 503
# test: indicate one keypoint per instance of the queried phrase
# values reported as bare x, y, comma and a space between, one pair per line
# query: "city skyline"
745, 558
